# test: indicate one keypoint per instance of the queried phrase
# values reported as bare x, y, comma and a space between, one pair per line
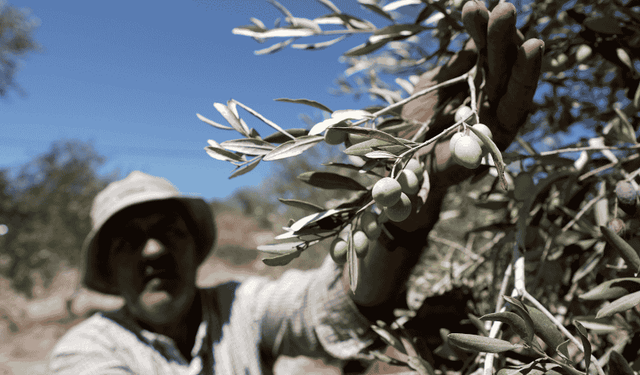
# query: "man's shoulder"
97, 329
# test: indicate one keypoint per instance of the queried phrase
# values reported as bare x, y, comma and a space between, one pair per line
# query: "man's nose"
153, 248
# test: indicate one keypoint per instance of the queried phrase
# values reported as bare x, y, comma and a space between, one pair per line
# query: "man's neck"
183, 331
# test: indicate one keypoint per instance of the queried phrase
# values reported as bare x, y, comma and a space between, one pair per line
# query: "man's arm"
510, 86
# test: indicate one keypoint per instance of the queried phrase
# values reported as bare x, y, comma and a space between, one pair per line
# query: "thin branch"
582, 212
588, 148
455, 245
420, 93
605, 167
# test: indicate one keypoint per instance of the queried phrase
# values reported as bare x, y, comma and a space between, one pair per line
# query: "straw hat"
136, 188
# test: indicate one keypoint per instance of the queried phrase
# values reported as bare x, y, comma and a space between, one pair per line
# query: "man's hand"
511, 71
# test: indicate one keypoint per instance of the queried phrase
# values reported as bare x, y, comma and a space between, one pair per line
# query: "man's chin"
161, 303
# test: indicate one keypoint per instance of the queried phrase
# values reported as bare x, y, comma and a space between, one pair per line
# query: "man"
148, 241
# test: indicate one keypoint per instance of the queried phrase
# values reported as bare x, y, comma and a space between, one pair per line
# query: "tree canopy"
17, 27
45, 207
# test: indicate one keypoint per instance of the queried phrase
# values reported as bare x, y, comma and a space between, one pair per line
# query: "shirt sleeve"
86, 352
308, 313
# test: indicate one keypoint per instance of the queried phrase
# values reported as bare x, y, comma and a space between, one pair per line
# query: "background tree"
45, 207
17, 27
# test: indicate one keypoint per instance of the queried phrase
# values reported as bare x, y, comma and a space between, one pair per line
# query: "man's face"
153, 257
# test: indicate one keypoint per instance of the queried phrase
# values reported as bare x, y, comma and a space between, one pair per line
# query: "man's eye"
130, 240
175, 232
180, 232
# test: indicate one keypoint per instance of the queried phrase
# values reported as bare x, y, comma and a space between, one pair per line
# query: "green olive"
386, 191
467, 152
399, 211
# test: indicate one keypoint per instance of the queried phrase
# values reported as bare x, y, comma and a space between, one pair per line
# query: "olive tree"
560, 254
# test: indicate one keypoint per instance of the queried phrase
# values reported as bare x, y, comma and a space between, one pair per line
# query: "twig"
491, 243
454, 245
518, 267
503, 286
587, 148
488, 359
577, 342
418, 94
582, 212
605, 167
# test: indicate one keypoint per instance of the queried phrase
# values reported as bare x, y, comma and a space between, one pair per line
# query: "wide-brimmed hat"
137, 188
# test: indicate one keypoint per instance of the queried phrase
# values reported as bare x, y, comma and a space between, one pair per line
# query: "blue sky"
131, 76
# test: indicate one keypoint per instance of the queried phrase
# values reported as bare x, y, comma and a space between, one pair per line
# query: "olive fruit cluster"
366, 232
467, 149
392, 194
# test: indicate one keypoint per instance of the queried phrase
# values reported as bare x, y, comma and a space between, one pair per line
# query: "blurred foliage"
17, 27
45, 206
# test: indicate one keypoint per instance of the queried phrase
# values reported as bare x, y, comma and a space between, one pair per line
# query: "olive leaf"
480, 343
263, 119
563, 350
621, 304
373, 6
376, 134
380, 155
213, 123
421, 366
329, 180
515, 321
586, 345
363, 148
332, 7
399, 3
618, 365
364, 49
339, 117
628, 253
246, 168
281, 260
248, 146
301, 204
545, 328
478, 324
280, 32
315, 218
386, 359
293, 148
232, 119
311, 103
219, 153
612, 289
387, 336
278, 137
281, 248
395, 32
603, 25
352, 260
319, 45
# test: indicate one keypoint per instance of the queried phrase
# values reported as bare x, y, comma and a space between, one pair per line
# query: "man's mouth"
160, 274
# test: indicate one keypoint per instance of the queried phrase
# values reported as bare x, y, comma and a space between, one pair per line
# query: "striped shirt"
245, 327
